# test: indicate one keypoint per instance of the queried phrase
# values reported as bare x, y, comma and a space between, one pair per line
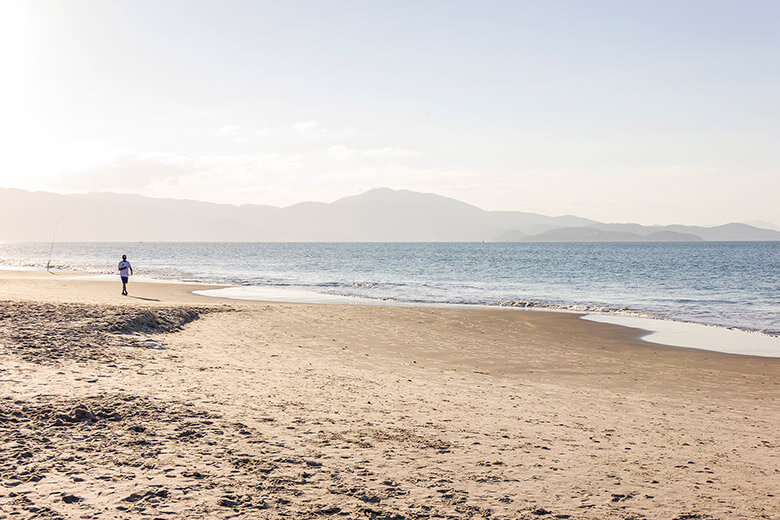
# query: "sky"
621, 111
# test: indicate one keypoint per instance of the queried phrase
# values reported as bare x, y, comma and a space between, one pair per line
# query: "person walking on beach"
124, 267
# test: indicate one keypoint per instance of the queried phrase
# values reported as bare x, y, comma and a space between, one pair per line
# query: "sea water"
728, 284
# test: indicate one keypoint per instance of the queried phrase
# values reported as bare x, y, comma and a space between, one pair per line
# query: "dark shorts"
124, 279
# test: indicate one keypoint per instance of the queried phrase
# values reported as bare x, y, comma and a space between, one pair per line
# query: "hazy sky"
653, 112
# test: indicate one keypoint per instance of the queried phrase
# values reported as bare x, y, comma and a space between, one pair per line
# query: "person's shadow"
146, 299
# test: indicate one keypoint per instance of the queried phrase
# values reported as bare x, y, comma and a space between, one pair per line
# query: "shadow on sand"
146, 299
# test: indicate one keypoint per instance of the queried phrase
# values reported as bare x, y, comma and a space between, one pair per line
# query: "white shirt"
124, 265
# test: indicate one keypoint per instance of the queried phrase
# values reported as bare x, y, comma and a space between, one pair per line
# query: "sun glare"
14, 47
14, 17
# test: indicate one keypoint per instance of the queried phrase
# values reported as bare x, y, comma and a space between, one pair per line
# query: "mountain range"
379, 215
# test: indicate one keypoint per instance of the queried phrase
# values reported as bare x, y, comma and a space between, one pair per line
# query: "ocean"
728, 284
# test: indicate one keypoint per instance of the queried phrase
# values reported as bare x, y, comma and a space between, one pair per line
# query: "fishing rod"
51, 249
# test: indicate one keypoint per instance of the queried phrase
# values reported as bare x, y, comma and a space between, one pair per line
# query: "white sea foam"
277, 294
20, 268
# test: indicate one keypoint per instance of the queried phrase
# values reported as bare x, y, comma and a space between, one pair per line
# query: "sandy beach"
168, 405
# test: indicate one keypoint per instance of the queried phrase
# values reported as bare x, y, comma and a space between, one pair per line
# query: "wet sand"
170, 405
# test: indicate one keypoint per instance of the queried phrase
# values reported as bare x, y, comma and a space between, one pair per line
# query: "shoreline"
171, 404
743, 305
657, 330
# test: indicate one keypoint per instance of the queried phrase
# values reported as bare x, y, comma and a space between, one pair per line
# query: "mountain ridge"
378, 215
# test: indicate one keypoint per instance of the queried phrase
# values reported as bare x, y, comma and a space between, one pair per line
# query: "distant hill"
671, 236
763, 225
728, 232
592, 234
380, 215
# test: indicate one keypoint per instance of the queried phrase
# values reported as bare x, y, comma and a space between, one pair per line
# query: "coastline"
658, 329
656, 281
272, 409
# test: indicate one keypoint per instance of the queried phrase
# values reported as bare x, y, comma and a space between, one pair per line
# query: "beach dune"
170, 405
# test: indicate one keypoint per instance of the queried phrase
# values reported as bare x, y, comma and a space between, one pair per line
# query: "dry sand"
169, 405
